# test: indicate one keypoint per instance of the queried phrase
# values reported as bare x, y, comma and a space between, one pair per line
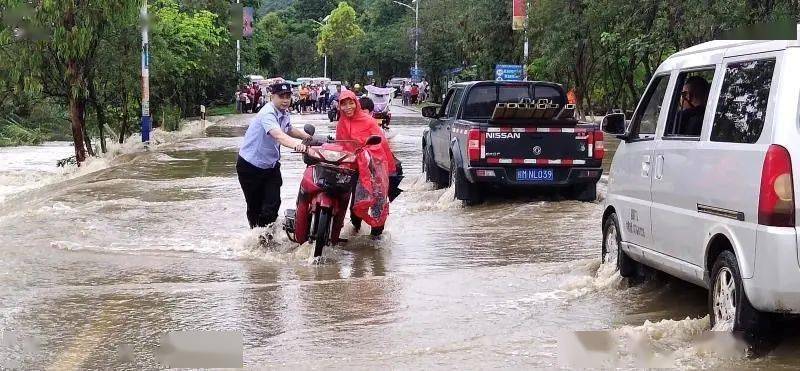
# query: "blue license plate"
535, 175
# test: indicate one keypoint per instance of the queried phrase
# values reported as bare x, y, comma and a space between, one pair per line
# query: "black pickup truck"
492, 134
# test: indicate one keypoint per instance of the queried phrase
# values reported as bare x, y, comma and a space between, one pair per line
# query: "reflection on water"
160, 243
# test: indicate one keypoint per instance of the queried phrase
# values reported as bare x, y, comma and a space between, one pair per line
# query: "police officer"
258, 165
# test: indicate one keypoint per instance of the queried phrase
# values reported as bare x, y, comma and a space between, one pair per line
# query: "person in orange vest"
571, 97
304, 94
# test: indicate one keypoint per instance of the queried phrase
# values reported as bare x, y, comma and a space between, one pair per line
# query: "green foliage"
286, 40
273, 6
314, 9
185, 51
227, 109
14, 132
608, 50
341, 35
88, 52
168, 118
192, 63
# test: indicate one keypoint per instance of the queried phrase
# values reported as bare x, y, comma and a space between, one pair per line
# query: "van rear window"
482, 99
743, 98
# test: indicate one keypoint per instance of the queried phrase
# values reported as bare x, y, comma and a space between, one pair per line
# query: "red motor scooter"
324, 191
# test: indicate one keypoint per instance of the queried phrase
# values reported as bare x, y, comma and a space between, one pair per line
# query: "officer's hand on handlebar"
300, 148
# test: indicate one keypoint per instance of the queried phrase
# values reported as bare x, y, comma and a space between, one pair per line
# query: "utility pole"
525, 48
238, 52
146, 120
416, 35
415, 9
324, 55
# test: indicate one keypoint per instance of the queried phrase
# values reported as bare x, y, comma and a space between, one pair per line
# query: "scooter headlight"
331, 155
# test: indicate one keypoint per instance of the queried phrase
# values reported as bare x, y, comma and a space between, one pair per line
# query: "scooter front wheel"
323, 231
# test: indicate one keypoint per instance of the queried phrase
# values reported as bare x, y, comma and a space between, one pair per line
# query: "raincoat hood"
360, 127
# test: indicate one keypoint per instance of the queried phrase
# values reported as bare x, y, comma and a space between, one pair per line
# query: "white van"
702, 187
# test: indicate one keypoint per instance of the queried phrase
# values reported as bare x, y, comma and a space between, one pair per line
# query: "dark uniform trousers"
262, 192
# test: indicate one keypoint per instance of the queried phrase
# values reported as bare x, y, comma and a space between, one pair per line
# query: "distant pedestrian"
314, 96
423, 90
304, 93
257, 102
406, 93
414, 93
251, 98
296, 99
322, 99
238, 102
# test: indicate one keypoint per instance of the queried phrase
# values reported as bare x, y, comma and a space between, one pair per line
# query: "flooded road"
94, 269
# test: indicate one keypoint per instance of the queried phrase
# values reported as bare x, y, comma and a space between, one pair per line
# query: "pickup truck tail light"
474, 145
776, 199
596, 143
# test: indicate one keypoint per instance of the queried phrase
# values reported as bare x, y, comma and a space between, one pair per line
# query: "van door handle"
646, 166
659, 167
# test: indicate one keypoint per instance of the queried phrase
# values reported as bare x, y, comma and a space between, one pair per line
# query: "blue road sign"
508, 72
370, 73
416, 74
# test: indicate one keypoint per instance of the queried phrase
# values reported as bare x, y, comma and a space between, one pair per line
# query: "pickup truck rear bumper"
507, 176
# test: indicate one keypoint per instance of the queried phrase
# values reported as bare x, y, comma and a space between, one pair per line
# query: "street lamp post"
416, 35
525, 47
324, 55
415, 9
238, 53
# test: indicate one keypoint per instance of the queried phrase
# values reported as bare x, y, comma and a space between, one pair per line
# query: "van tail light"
776, 199
596, 140
474, 145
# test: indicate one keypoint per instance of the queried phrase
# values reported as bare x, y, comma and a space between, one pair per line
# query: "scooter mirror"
309, 129
373, 140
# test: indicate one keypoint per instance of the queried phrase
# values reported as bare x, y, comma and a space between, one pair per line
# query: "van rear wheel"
728, 306
612, 252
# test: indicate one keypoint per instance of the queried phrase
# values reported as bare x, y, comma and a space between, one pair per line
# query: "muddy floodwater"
95, 268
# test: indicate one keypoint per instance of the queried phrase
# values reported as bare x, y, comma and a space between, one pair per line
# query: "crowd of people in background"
414, 93
310, 98
319, 98
250, 98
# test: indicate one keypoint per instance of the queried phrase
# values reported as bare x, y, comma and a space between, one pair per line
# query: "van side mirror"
309, 129
430, 112
373, 140
614, 123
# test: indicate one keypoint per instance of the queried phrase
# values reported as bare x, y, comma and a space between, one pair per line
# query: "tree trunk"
75, 109
86, 137
125, 119
101, 115
77, 104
